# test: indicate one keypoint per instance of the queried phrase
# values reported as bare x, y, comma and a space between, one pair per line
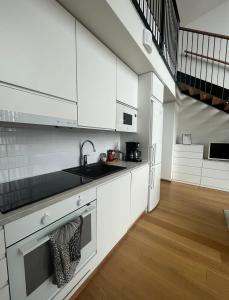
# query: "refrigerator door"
154, 187
156, 132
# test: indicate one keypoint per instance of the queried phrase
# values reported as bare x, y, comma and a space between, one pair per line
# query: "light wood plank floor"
178, 252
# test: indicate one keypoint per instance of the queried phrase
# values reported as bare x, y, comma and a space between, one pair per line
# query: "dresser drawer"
192, 162
213, 183
189, 148
3, 273
217, 174
19, 229
187, 154
2, 244
187, 170
4, 293
186, 178
216, 165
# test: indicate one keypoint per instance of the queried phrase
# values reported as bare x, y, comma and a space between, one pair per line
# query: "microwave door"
127, 119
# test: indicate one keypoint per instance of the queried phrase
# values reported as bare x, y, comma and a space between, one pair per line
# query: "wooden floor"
180, 251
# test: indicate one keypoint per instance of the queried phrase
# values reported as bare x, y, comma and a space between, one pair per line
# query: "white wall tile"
32, 151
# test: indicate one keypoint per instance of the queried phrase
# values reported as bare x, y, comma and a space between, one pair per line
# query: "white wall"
32, 151
205, 123
215, 20
191, 10
169, 139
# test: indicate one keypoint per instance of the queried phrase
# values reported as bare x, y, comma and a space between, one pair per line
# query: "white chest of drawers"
187, 163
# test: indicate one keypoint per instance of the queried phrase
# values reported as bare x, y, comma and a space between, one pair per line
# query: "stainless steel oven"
30, 262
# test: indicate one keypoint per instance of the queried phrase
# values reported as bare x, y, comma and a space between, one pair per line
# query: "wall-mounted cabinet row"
53, 67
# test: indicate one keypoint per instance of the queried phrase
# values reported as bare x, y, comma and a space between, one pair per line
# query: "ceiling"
190, 10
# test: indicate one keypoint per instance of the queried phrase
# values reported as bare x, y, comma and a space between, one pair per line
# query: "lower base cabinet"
113, 213
4, 293
139, 192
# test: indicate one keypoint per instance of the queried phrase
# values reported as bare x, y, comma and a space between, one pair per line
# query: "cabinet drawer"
189, 148
186, 178
3, 273
4, 293
216, 165
217, 174
2, 243
187, 154
192, 162
187, 170
19, 229
215, 183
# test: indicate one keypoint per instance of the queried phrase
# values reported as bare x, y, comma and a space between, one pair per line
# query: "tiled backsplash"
32, 151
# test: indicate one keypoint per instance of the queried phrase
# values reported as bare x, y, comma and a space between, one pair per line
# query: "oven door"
30, 263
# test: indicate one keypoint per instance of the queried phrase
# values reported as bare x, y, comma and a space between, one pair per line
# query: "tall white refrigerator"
149, 133
155, 151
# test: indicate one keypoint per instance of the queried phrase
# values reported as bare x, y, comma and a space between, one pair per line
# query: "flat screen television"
219, 151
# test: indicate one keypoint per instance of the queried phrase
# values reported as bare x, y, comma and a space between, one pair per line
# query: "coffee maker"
132, 152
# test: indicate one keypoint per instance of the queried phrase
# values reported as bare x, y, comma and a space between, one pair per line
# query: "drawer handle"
45, 220
79, 201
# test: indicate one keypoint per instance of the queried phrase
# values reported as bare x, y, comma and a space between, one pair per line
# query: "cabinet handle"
45, 219
79, 201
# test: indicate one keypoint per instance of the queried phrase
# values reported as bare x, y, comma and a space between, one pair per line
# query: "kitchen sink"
95, 171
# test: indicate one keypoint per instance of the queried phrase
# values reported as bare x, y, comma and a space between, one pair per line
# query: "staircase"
203, 65
202, 91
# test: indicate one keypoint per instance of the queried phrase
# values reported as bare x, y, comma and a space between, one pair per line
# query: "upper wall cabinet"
38, 47
157, 88
127, 85
96, 81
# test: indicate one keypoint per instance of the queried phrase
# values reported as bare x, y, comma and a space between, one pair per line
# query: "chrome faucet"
83, 158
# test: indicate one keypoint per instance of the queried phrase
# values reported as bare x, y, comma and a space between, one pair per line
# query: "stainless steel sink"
95, 171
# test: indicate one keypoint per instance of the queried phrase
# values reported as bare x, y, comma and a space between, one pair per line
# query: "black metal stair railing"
203, 62
161, 17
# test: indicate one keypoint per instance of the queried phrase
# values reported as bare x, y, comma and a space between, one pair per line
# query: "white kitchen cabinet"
96, 81
38, 47
139, 192
127, 85
157, 88
4, 293
22, 106
113, 211
2, 244
3, 273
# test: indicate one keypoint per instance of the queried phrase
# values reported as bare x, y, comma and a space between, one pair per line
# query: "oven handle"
29, 247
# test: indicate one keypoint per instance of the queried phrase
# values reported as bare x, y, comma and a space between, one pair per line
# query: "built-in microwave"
126, 118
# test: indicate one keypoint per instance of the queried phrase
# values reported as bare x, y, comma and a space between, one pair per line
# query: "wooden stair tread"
204, 97
217, 101
226, 107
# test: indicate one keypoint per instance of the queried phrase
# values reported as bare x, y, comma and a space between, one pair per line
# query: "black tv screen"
219, 151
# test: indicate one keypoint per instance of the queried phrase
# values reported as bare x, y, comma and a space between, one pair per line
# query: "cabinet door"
113, 211
139, 192
154, 187
156, 131
127, 85
157, 88
38, 47
96, 81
